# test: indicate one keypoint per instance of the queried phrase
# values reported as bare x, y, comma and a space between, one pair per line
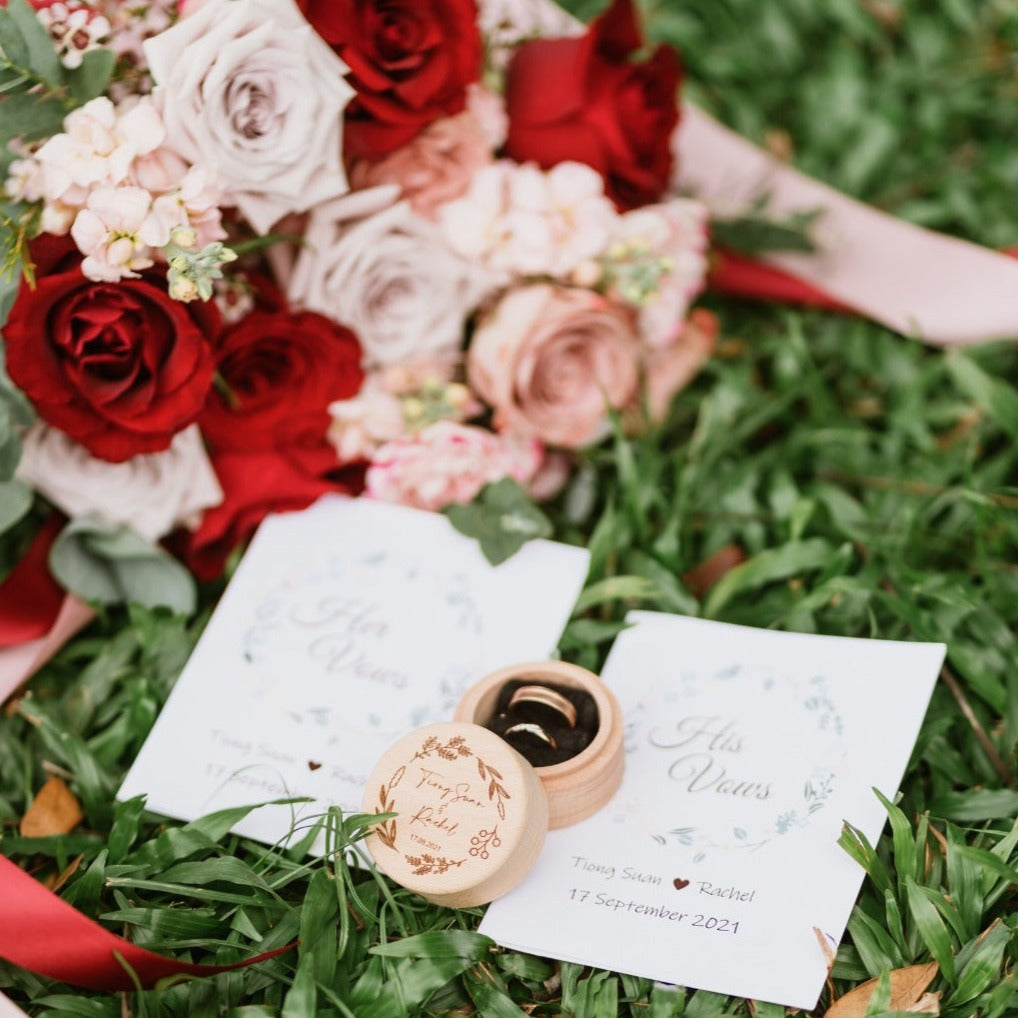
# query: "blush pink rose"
448, 462
432, 169
551, 360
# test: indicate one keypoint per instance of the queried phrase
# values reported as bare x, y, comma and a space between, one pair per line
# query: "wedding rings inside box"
580, 785
531, 747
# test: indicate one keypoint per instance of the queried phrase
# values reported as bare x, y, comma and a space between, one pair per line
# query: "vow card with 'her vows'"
345, 627
716, 865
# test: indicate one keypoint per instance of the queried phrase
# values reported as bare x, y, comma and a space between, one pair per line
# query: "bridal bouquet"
260, 250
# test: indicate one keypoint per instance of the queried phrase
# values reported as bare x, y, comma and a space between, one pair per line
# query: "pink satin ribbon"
19, 663
922, 284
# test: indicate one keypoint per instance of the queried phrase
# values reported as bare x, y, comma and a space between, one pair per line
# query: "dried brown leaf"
702, 577
908, 986
53, 811
58, 880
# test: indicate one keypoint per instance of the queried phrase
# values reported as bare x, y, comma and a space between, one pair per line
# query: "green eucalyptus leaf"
15, 501
30, 116
13, 47
42, 58
114, 564
502, 519
90, 79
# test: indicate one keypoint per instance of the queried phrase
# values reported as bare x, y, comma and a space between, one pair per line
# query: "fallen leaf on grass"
53, 811
59, 879
702, 577
908, 988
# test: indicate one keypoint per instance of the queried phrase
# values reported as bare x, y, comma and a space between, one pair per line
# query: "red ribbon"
42, 933
30, 598
739, 276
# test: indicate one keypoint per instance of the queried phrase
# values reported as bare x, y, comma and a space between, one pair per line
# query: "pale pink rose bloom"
675, 230
153, 494
446, 463
115, 232
249, 89
551, 360
669, 369
386, 273
522, 220
435, 167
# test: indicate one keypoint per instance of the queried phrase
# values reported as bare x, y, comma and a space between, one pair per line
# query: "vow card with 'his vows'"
716, 865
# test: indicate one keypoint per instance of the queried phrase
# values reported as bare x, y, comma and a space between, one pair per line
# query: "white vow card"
716, 865
345, 627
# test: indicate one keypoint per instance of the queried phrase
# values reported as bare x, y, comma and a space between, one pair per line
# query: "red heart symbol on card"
678, 883
313, 765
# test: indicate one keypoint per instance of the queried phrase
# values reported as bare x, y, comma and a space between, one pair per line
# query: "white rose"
153, 494
386, 273
250, 91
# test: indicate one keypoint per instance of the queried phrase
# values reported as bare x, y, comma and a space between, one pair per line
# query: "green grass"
872, 483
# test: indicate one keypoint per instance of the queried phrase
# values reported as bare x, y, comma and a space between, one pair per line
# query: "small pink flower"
674, 235
365, 422
525, 221
434, 168
192, 202
448, 462
74, 27
115, 231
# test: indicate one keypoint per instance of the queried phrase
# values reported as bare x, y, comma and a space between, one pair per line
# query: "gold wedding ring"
547, 698
531, 729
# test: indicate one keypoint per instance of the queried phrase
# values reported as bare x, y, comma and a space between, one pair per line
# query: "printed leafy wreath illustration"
454, 748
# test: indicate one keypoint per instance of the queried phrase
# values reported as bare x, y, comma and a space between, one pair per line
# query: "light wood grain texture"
471, 814
579, 787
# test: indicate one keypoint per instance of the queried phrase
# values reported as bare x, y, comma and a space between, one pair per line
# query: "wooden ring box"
471, 812
578, 787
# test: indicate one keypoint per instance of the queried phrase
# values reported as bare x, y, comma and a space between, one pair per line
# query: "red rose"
254, 485
267, 424
279, 372
120, 367
410, 62
586, 100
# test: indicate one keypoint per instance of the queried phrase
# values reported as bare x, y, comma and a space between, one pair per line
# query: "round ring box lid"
471, 814
578, 787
